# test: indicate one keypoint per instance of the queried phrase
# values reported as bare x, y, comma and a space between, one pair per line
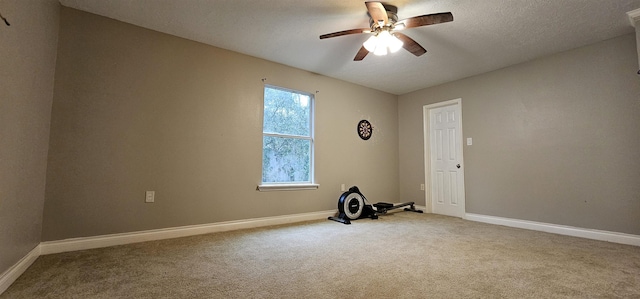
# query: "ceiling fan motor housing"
392, 15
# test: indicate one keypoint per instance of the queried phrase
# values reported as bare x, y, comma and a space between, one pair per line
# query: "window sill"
287, 187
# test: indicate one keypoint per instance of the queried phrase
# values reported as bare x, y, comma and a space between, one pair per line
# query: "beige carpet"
401, 255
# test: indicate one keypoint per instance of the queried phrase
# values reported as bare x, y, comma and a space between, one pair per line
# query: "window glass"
286, 112
286, 160
287, 145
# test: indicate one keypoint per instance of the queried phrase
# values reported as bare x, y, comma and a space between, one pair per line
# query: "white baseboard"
74, 244
594, 234
9, 276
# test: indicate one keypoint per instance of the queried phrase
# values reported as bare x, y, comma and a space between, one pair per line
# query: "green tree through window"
287, 142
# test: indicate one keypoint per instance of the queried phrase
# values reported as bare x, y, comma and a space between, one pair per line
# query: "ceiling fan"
384, 27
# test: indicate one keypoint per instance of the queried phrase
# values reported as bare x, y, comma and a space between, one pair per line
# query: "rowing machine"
353, 205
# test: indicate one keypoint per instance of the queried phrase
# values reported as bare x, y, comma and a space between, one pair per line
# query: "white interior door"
444, 169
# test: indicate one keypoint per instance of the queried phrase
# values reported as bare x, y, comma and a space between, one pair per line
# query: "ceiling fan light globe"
384, 36
395, 44
371, 43
380, 50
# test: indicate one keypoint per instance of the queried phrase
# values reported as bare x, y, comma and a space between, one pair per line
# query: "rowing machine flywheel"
352, 206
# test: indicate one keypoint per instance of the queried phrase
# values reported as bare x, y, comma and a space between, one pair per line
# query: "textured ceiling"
485, 35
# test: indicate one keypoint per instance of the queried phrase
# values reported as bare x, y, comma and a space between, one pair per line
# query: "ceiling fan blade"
345, 32
410, 45
361, 54
424, 20
377, 12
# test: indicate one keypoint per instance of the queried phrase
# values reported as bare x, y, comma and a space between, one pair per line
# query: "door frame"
426, 111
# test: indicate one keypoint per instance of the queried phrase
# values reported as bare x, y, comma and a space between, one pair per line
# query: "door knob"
458, 165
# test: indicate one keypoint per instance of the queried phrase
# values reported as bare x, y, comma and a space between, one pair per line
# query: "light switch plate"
150, 196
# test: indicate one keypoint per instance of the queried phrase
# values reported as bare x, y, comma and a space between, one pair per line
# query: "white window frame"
291, 186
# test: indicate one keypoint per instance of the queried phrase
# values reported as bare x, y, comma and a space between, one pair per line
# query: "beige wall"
27, 66
555, 140
138, 110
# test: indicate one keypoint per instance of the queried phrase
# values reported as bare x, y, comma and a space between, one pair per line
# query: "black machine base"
352, 205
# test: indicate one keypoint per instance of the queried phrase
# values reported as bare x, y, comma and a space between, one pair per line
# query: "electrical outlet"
150, 196
422, 187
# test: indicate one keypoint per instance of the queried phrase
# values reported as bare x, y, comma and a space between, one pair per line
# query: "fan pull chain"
5, 20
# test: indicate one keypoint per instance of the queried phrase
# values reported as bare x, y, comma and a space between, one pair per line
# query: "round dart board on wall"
365, 130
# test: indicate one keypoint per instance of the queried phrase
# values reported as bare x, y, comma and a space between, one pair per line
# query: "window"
287, 139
